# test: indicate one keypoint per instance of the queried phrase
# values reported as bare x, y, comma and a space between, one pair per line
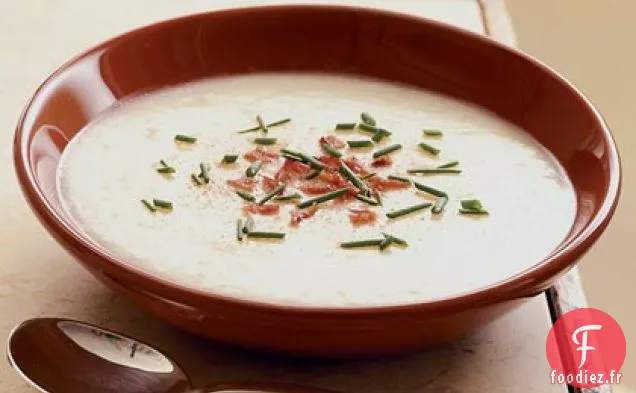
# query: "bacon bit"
362, 216
380, 184
261, 153
355, 166
268, 209
333, 141
269, 184
243, 184
382, 161
330, 161
315, 188
299, 215
291, 170
332, 177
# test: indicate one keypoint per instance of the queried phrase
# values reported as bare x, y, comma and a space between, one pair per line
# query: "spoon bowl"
61, 355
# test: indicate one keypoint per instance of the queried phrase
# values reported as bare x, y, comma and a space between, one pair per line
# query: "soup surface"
115, 162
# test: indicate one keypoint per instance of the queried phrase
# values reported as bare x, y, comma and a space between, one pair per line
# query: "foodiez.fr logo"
586, 348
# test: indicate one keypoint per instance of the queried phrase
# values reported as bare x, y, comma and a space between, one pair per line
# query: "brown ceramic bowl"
327, 39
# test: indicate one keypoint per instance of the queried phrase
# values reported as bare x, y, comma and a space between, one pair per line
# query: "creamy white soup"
509, 203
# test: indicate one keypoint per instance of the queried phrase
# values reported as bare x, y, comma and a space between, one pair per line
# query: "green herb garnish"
440, 205
323, 198
433, 171
166, 170
277, 190
314, 163
472, 204
264, 127
380, 134
261, 124
162, 204
195, 180
399, 178
355, 180
428, 148
265, 141
431, 132
148, 205
479, 212
367, 200
204, 175
345, 126
185, 138
367, 128
265, 235
332, 151
229, 158
430, 190
239, 230
279, 122
362, 243
253, 169
289, 197
408, 210
385, 243
395, 240
367, 119
387, 150
312, 175
449, 164
368, 176
246, 196
359, 144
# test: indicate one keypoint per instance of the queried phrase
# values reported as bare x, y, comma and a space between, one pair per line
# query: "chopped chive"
440, 205
433, 171
195, 180
367, 119
162, 204
304, 158
430, 190
431, 132
362, 243
229, 158
166, 170
385, 243
345, 126
148, 205
292, 153
378, 198
448, 164
253, 169
289, 197
313, 174
380, 134
163, 163
395, 240
480, 212
472, 204
265, 235
205, 172
245, 195
368, 176
408, 210
349, 174
277, 190
257, 128
290, 157
279, 122
261, 124
359, 144
248, 225
399, 178
367, 128
239, 230
323, 198
185, 138
387, 150
367, 200
265, 141
428, 148
332, 151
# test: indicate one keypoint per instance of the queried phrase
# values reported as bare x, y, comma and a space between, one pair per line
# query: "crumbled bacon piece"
262, 154
362, 216
291, 170
243, 184
268, 209
355, 165
380, 184
269, 184
333, 177
333, 141
299, 215
330, 161
382, 161
315, 188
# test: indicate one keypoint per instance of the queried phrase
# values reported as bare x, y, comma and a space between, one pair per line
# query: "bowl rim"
527, 283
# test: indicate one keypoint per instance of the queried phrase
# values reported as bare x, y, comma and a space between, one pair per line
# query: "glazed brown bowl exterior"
330, 39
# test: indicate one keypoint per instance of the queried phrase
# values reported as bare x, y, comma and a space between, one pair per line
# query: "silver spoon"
65, 356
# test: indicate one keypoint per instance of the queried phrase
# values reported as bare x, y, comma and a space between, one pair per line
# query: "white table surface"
37, 278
